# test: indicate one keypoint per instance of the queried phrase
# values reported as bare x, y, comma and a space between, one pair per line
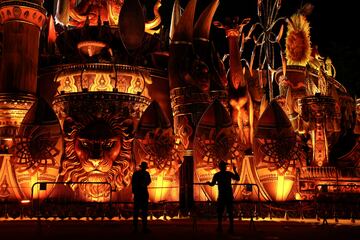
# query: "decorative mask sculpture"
98, 129
97, 151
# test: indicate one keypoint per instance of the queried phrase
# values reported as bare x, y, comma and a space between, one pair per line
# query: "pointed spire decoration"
216, 116
289, 101
203, 24
51, 31
184, 29
234, 33
153, 118
132, 24
263, 105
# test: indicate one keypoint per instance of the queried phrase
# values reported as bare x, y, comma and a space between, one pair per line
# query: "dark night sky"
332, 29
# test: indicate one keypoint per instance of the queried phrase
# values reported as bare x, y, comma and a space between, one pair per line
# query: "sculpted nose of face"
96, 155
95, 162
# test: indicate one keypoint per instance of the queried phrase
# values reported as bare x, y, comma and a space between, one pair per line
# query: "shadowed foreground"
176, 229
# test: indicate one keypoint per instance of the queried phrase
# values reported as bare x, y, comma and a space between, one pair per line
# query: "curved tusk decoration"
203, 24
175, 18
184, 29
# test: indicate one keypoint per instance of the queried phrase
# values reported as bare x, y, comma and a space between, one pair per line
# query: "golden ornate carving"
38, 149
98, 140
20, 11
97, 151
67, 84
103, 77
185, 131
137, 85
102, 82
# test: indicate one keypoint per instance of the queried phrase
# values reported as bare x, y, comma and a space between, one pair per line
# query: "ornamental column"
21, 22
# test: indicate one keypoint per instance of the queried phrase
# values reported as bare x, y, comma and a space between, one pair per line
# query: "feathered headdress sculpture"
298, 44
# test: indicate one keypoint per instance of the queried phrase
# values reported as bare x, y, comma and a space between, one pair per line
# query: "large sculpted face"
97, 151
97, 146
81, 10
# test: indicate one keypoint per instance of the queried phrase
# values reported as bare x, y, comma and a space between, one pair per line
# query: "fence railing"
43, 186
65, 206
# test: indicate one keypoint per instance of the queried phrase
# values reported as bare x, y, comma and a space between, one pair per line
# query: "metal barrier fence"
243, 208
69, 202
326, 205
43, 186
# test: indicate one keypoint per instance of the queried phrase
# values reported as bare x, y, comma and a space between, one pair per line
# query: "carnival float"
88, 93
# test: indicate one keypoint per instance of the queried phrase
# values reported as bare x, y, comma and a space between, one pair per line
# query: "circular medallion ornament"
17, 11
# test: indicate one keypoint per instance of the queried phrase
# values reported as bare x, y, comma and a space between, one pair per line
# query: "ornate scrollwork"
185, 131
218, 146
36, 153
160, 150
281, 153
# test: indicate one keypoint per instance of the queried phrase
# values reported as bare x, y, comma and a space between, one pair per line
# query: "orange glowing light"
91, 48
52, 31
283, 188
244, 117
298, 196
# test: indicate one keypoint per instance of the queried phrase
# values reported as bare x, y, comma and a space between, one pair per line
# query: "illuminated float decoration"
99, 106
194, 81
156, 144
277, 153
18, 83
315, 103
98, 133
77, 13
91, 48
38, 150
104, 78
242, 109
215, 140
122, 95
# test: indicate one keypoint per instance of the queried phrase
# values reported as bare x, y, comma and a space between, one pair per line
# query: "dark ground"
176, 229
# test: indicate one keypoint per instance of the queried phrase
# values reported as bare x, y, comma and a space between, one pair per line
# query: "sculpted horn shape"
216, 79
194, 71
175, 18
181, 51
184, 28
203, 24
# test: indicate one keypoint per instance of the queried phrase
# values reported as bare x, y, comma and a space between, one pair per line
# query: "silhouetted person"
140, 181
225, 197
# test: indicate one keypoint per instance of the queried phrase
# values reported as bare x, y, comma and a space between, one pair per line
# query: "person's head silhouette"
143, 166
222, 165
